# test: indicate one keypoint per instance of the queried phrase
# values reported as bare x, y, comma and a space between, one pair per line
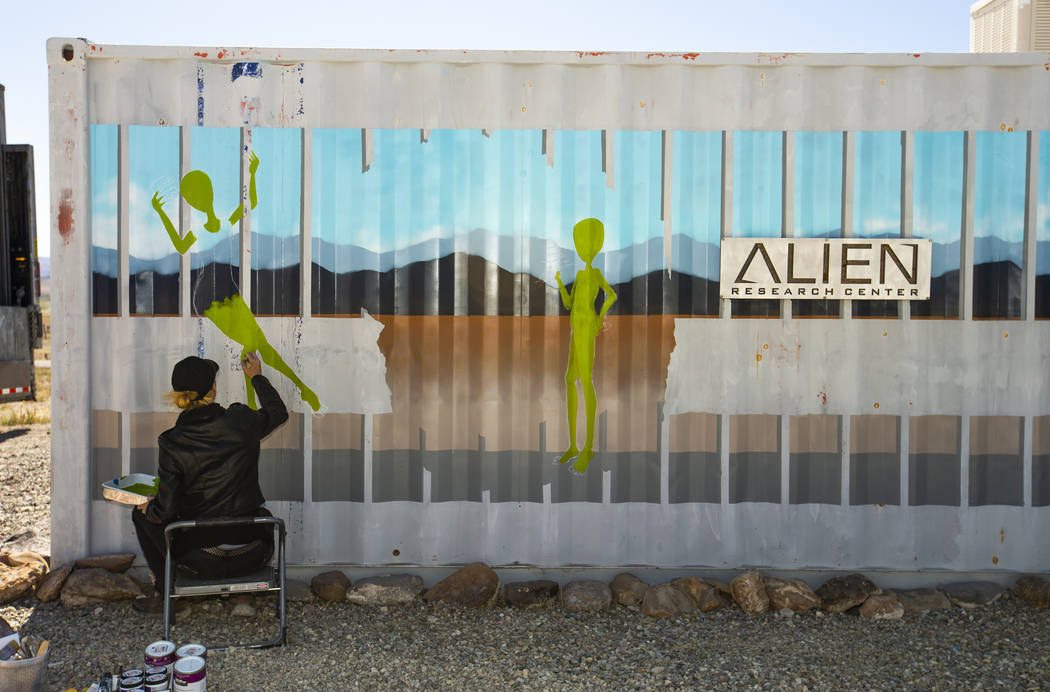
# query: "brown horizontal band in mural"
499, 382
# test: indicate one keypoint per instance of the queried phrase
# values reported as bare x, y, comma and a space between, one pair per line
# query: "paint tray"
117, 490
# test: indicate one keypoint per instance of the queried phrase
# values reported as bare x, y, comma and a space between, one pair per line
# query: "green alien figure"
589, 236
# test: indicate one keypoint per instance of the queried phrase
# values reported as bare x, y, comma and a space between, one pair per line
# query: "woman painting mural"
208, 466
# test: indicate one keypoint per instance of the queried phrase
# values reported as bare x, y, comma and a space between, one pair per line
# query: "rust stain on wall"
773, 59
65, 215
684, 56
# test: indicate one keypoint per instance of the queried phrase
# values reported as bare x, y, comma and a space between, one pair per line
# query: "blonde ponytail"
189, 399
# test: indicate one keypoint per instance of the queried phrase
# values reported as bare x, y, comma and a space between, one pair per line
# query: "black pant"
187, 544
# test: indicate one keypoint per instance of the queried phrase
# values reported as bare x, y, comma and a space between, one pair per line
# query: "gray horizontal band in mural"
934, 466
511, 476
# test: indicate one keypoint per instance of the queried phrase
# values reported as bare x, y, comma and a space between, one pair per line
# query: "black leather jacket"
209, 462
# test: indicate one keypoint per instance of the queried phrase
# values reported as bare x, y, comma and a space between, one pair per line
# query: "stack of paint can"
189, 673
132, 680
166, 669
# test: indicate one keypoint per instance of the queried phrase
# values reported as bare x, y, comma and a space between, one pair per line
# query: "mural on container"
456, 242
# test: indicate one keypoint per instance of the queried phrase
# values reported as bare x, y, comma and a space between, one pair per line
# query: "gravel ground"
341, 646
25, 487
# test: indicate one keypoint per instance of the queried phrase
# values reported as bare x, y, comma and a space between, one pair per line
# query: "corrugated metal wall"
406, 221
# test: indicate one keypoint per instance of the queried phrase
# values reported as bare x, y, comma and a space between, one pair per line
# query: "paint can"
132, 683
189, 675
191, 650
132, 673
157, 682
157, 670
160, 654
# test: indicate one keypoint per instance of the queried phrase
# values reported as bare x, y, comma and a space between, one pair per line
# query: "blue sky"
461, 180
661, 25
818, 183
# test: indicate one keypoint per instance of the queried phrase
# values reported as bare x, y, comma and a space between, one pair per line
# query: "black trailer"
20, 320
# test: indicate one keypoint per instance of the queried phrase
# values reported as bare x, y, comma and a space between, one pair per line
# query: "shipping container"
406, 231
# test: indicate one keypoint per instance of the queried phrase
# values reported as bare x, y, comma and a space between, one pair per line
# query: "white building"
1009, 26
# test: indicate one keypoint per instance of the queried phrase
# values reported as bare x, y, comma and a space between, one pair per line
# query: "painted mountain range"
486, 273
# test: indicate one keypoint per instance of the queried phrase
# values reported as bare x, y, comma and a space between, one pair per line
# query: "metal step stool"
266, 578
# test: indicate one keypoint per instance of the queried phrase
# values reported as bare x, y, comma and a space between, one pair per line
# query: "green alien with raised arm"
196, 189
588, 236
232, 316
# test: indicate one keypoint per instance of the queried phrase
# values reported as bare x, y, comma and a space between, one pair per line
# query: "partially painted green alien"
589, 236
232, 316
196, 189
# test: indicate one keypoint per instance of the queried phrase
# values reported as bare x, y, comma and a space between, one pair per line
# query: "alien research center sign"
825, 268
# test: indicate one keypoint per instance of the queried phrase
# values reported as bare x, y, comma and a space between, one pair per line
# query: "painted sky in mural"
495, 196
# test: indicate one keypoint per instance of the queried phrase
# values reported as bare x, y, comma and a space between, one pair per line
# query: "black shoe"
149, 605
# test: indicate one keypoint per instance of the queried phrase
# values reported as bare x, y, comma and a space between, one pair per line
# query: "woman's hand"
251, 365
142, 507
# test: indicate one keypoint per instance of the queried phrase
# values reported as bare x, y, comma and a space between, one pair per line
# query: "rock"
330, 586
243, 606
713, 599
921, 600
16, 558
839, 594
882, 606
666, 601
473, 586
114, 562
19, 575
51, 586
790, 593
971, 594
530, 594
17, 582
97, 585
692, 587
585, 596
296, 591
390, 589
209, 605
721, 586
1035, 591
627, 589
750, 593
25, 557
